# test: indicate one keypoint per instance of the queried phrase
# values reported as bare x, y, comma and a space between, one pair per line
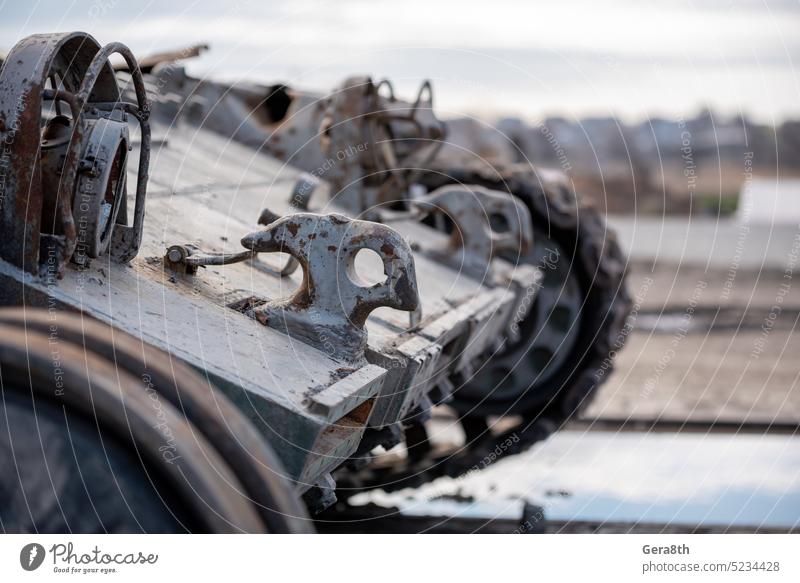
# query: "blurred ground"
710, 377
713, 339
709, 340
722, 482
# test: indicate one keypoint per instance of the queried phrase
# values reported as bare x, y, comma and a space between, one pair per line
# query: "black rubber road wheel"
575, 325
241, 484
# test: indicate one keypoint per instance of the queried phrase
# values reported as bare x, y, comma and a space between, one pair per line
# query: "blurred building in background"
658, 166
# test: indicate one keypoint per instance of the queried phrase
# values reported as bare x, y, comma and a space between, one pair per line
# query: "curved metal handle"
126, 240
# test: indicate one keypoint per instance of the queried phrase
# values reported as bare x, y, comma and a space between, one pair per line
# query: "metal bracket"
378, 141
40, 226
331, 306
486, 223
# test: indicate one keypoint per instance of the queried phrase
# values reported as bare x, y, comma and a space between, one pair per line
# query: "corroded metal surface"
211, 414
462, 315
40, 167
486, 224
117, 398
328, 360
21, 94
567, 289
332, 296
314, 407
379, 141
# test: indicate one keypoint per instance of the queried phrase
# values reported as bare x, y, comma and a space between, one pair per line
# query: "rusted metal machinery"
378, 154
370, 154
253, 364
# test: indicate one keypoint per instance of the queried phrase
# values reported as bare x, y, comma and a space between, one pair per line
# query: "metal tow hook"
330, 308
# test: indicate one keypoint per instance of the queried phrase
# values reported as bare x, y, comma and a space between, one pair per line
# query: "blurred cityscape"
658, 166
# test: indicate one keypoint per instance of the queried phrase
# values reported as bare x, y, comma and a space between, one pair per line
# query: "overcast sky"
631, 58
